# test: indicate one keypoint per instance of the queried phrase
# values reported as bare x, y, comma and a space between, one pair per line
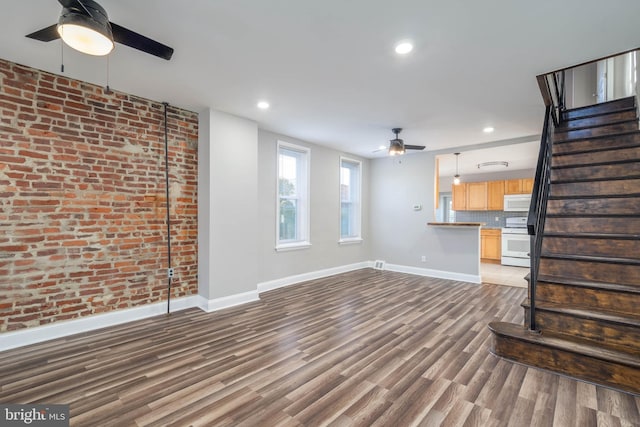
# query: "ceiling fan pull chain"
61, 56
107, 89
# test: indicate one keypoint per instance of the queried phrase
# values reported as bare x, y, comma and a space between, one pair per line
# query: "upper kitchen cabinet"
477, 196
495, 195
518, 186
459, 197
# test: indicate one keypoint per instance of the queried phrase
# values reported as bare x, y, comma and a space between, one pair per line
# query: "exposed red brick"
83, 185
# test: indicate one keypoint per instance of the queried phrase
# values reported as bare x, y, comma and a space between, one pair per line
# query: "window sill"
350, 241
292, 246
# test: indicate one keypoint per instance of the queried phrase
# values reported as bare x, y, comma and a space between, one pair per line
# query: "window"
293, 197
350, 200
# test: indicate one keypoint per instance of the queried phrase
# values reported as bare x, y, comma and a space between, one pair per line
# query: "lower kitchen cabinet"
490, 244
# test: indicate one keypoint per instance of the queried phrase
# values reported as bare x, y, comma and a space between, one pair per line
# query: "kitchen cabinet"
477, 196
459, 197
495, 195
518, 186
490, 244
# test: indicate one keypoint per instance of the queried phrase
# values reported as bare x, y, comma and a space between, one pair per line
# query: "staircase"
588, 287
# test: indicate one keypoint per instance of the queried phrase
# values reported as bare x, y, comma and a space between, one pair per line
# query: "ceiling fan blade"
140, 42
46, 34
414, 147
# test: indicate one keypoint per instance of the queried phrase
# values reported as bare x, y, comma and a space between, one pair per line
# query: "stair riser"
588, 270
617, 141
615, 248
620, 170
596, 131
598, 120
589, 298
624, 338
597, 188
603, 108
603, 206
568, 363
618, 155
593, 225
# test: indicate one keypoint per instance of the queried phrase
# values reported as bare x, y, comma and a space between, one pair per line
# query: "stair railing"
552, 88
538, 208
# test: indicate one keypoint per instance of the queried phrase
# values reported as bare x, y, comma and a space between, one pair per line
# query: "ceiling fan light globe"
396, 148
88, 33
85, 40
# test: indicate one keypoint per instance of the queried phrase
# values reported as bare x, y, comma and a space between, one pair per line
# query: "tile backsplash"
487, 217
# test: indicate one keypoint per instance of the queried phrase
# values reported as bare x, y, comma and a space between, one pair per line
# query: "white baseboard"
319, 274
438, 274
210, 305
22, 337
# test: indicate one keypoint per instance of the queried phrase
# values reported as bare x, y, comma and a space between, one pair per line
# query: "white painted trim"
226, 302
351, 241
291, 280
438, 274
22, 337
283, 247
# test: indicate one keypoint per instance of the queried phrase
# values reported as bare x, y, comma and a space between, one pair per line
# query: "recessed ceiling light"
382, 147
263, 105
488, 129
403, 48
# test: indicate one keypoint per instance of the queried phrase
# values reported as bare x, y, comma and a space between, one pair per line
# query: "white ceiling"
518, 156
328, 67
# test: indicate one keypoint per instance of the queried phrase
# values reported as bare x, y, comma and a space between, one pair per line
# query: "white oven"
516, 243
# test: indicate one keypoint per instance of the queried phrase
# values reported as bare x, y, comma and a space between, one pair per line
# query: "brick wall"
82, 199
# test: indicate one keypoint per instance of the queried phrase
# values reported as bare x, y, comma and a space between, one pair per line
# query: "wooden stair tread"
595, 150
627, 133
592, 215
562, 129
617, 236
590, 164
612, 178
585, 313
596, 196
583, 283
580, 235
599, 108
591, 258
606, 113
562, 342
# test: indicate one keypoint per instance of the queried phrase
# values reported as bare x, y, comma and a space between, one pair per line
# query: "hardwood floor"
365, 348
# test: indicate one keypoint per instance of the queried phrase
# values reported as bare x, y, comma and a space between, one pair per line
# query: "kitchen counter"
456, 224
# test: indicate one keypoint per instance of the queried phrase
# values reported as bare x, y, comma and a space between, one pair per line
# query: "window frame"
303, 202
358, 237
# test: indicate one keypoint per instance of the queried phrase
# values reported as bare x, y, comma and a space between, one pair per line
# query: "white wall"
227, 205
400, 234
325, 252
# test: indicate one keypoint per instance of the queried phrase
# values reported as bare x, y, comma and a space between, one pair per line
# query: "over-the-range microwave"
517, 202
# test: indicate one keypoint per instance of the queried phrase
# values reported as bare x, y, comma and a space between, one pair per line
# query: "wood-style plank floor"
365, 348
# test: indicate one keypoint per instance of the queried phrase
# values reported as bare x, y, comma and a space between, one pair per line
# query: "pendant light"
86, 28
456, 178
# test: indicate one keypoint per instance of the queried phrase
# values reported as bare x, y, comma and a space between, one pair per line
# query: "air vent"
378, 265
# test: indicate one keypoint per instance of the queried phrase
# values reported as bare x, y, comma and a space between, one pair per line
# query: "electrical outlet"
170, 273
424, 258
497, 218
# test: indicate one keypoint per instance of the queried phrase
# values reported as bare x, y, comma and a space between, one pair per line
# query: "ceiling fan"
84, 25
398, 147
